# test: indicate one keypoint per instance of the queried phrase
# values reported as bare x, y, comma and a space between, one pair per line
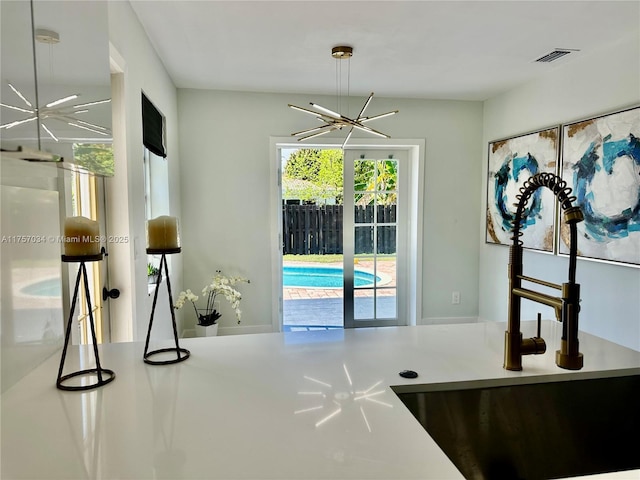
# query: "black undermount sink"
538, 431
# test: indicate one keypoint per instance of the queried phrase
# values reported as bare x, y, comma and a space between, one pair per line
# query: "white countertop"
268, 406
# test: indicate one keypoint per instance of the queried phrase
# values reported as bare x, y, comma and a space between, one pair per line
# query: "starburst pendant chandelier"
336, 121
53, 110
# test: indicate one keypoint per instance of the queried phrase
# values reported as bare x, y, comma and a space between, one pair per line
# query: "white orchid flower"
220, 285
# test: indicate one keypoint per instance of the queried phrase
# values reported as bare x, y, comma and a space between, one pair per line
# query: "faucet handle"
535, 345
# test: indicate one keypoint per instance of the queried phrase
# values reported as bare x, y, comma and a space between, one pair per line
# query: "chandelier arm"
12, 107
88, 104
315, 129
328, 119
304, 110
347, 138
375, 117
62, 100
320, 115
317, 134
355, 123
19, 94
61, 110
327, 111
366, 104
93, 125
66, 119
18, 122
90, 129
332, 121
55, 114
370, 130
44, 127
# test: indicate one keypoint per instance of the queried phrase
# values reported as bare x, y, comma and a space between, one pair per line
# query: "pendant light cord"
339, 86
348, 85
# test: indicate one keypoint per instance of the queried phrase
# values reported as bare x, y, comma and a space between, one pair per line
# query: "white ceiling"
464, 50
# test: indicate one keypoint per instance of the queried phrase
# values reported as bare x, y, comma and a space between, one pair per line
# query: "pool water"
323, 277
44, 288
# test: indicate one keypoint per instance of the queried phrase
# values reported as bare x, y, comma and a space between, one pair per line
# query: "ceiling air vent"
556, 54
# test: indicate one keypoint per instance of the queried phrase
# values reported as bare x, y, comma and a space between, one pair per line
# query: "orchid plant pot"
207, 325
208, 331
207, 318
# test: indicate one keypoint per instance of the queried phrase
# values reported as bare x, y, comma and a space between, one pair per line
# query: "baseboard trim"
240, 330
245, 329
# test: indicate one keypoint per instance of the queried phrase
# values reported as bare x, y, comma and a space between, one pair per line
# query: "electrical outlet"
455, 298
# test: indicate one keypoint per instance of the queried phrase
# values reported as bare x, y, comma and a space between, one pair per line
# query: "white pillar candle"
81, 237
162, 233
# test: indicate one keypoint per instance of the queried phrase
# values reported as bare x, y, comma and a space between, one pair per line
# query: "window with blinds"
153, 128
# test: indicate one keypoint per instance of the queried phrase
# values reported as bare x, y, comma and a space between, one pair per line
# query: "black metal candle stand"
147, 354
104, 375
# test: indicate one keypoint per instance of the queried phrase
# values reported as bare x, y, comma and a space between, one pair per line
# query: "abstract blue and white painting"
511, 162
601, 162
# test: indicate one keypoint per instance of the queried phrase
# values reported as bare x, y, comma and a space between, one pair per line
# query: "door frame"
415, 203
88, 189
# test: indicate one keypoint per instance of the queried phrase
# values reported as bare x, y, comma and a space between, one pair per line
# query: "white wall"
224, 151
586, 86
143, 71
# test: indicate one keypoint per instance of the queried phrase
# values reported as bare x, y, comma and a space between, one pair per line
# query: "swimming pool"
50, 287
322, 277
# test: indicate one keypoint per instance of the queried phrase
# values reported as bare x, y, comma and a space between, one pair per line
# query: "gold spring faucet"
566, 306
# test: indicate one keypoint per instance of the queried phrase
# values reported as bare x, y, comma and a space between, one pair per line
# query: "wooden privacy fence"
317, 229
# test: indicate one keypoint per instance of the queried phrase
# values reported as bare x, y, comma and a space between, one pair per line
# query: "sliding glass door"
374, 231
355, 229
